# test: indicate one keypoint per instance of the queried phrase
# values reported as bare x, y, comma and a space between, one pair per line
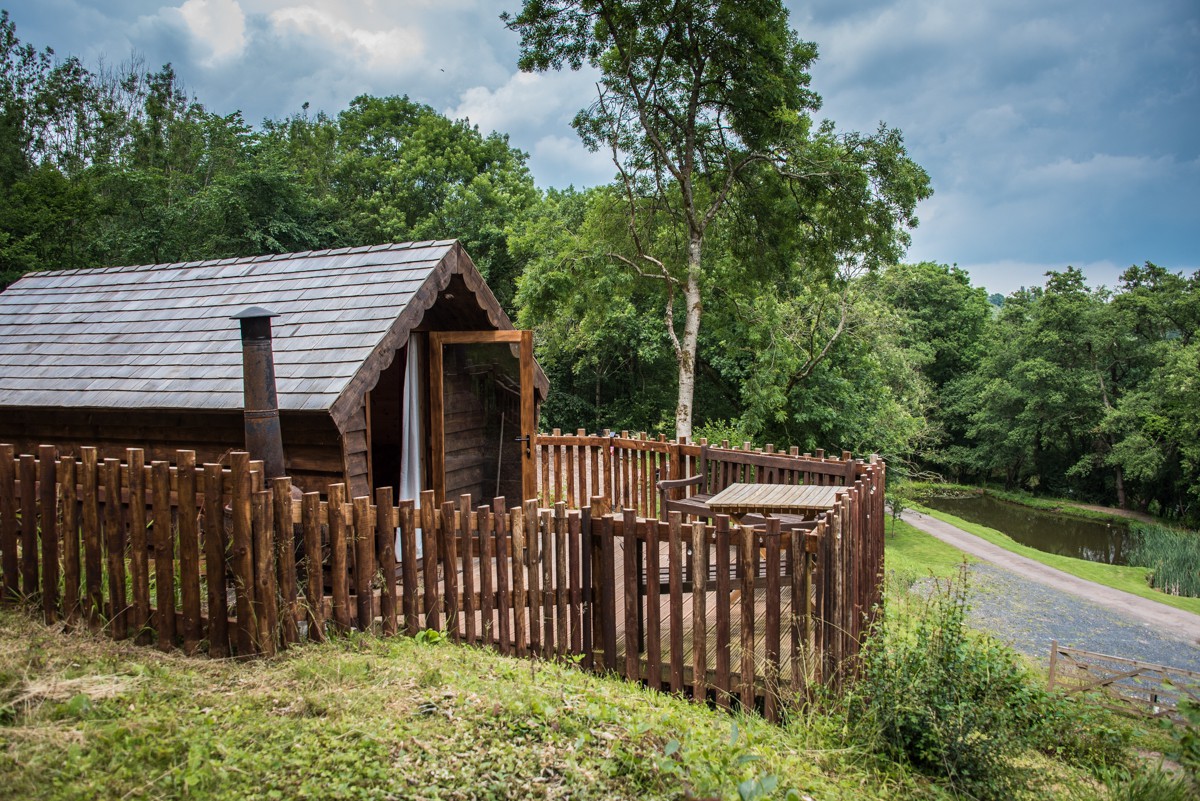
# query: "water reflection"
1046, 531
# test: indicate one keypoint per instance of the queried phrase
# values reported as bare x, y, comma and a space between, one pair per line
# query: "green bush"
1172, 555
932, 696
961, 707
1186, 736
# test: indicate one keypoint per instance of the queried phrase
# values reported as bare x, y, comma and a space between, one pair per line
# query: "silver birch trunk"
685, 351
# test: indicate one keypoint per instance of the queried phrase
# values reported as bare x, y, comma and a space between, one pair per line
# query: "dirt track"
1165, 620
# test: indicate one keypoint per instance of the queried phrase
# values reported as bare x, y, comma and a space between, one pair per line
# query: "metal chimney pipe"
261, 405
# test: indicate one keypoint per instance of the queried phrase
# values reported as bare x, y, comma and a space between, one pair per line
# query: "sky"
1055, 132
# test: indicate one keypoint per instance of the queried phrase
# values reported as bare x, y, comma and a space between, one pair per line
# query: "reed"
1173, 556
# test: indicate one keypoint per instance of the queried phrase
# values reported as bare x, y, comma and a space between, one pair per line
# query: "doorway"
481, 415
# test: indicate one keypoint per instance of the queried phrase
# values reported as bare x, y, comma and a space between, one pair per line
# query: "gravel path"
1028, 607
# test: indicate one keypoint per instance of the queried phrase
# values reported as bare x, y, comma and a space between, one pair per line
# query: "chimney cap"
253, 313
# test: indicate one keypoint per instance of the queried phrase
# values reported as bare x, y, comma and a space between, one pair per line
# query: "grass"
1134, 580
364, 718
910, 554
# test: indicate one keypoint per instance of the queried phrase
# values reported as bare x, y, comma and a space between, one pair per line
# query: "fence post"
214, 561
8, 524
1053, 665
48, 501
189, 549
115, 539
266, 602
314, 566
29, 550
337, 558
164, 555
285, 558
139, 569
70, 538
385, 543
364, 563
242, 550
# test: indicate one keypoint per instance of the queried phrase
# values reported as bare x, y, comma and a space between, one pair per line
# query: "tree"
48, 115
405, 172
695, 98
945, 322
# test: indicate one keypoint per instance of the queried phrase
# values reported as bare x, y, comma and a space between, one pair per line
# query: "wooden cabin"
395, 366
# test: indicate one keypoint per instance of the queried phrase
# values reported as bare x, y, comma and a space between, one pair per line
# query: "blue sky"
1056, 132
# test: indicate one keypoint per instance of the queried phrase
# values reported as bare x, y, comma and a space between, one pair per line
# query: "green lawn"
1130, 579
911, 554
366, 718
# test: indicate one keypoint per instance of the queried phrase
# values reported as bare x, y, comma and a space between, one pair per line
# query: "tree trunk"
1119, 474
685, 351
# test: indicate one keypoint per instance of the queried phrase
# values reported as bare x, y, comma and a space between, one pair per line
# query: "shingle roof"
159, 336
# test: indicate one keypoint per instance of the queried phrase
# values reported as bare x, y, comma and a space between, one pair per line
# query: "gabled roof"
159, 336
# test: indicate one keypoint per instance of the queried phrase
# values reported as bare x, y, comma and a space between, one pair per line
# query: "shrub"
960, 706
946, 702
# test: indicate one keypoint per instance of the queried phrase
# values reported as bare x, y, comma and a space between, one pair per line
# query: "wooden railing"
211, 559
625, 469
1126, 685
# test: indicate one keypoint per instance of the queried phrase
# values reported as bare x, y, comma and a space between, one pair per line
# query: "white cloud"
397, 47
218, 25
566, 157
1100, 169
527, 100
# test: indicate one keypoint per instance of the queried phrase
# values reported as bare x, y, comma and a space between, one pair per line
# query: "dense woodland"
789, 238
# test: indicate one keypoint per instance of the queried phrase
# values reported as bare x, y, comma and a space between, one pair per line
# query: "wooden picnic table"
807, 500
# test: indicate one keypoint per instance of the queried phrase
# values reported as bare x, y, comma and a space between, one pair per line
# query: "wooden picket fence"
212, 559
1124, 685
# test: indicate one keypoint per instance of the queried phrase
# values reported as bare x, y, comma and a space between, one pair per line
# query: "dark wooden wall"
310, 440
466, 431
386, 412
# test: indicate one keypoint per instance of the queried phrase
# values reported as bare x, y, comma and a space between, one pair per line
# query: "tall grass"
1172, 555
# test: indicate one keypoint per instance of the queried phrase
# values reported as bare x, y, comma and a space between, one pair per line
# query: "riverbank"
1125, 579
916, 490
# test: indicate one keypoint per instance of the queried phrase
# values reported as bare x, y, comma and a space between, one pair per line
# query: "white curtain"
411, 440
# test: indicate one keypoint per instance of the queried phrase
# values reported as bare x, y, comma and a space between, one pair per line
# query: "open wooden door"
481, 415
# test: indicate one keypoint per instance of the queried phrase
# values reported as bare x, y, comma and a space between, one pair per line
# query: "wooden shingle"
160, 337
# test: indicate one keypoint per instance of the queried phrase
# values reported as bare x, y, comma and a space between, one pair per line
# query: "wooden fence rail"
212, 559
1130, 686
625, 469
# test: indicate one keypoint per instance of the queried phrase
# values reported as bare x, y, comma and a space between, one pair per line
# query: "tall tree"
404, 171
694, 95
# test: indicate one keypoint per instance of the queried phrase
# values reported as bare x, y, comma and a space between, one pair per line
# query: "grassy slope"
1130, 579
910, 554
82, 717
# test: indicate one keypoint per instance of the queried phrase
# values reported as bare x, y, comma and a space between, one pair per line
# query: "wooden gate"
1140, 688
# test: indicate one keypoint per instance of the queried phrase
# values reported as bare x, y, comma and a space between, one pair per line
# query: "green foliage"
431, 637
124, 167
1088, 393
1186, 737
942, 700
405, 172
959, 706
1172, 555
1151, 785
722, 175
